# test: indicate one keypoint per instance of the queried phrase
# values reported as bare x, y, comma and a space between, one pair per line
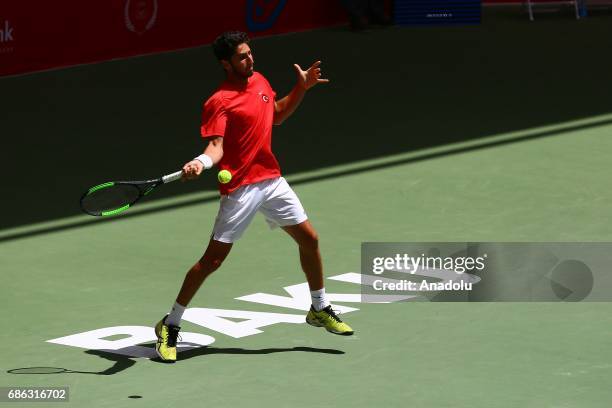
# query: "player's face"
242, 61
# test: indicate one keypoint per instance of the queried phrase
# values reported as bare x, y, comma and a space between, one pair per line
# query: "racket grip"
172, 177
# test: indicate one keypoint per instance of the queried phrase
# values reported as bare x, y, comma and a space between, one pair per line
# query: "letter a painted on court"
218, 320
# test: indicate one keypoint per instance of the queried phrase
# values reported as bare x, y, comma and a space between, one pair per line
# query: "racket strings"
110, 198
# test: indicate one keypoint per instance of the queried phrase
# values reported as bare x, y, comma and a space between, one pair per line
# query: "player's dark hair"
225, 44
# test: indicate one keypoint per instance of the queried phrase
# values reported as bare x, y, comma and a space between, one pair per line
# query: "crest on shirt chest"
263, 96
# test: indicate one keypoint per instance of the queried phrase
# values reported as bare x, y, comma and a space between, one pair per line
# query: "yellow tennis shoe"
327, 318
166, 340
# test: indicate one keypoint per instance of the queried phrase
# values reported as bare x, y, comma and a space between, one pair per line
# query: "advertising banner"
37, 35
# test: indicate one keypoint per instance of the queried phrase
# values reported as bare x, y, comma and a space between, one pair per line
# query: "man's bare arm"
214, 150
283, 108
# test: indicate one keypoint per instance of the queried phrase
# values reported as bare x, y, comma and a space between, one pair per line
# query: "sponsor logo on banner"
7, 36
140, 15
262, 14
6, 32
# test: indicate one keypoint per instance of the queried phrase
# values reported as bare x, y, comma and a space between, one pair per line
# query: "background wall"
36, 35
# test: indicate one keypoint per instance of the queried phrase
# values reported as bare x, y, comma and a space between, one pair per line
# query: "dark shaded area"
393, 90
203, 351
333, 174
121, 363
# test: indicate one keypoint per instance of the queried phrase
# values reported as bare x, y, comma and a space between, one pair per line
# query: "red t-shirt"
243, 116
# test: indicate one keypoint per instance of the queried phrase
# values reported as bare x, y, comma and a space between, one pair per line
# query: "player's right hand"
192, 170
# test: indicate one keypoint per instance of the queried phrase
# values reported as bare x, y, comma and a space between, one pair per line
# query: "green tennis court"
417, 138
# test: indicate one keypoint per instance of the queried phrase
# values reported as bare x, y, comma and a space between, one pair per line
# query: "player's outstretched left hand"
311, 76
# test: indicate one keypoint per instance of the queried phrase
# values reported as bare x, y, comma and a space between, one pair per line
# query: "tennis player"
237, 124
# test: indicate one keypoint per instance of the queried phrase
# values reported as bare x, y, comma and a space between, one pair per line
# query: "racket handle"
172, 177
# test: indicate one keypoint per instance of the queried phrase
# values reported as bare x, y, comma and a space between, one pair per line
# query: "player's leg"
214, 256
168, 328
283, 208
236, 212
321, 313
310, 257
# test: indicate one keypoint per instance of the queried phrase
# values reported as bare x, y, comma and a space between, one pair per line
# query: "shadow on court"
122, 363
392, 91
204, 351
329, 175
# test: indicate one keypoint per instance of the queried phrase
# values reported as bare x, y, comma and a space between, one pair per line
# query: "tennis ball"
224, 176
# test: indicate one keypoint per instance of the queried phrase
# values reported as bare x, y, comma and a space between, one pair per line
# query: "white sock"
319, 300
174, 318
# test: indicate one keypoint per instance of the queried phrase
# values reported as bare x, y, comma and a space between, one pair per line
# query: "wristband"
205, 160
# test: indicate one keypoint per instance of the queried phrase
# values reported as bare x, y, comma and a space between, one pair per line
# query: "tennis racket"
117, 196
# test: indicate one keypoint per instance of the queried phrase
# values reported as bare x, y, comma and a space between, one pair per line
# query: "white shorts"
274, 198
